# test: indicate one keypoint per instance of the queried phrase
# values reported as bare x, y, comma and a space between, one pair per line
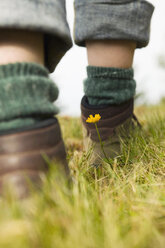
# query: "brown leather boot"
114, 124
22, 155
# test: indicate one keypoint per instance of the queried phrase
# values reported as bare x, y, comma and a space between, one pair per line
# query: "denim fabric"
112, 19
47, 16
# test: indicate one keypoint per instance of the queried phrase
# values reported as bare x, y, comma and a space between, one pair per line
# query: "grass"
104, 208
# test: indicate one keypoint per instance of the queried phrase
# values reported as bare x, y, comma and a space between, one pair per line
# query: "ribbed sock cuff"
26, 93
105, 86
22, 69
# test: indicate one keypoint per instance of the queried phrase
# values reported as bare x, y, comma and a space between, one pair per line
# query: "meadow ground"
103, 208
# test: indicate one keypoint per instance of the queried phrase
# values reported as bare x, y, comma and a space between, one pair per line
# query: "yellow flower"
93, 119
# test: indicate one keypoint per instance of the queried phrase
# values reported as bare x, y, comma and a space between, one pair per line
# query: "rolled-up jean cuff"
46, 16
113, 20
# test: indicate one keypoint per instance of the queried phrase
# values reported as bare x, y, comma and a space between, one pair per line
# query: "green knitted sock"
105, 86
26, 95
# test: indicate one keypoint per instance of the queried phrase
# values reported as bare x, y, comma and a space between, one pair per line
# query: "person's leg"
31, 93
45, 16
110, 57
30, 47
25, 38
21, 46
111, 30
110, 53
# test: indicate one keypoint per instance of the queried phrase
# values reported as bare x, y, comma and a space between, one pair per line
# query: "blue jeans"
94, 20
